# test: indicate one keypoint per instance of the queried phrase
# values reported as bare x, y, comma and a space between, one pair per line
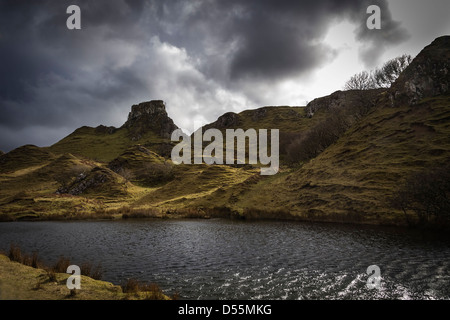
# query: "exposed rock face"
85, 182
341, 99
153, 107
428, 75
259, 114
229, 119
105, 130
225, 121
149, 116
1, 152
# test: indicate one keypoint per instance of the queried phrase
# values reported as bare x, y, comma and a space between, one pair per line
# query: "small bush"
427, 195
35, 260
252, 213
86, 268
6, 217
72, 293
175, 296
140, 213
51, 275
131, 286
61, 265
151, 290
15, 254
97, 273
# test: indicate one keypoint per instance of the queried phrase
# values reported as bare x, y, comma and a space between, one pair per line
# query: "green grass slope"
103, 145
353, 179
387, 135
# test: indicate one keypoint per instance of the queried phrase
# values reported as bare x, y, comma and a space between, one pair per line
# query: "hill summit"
148, 124
151, 115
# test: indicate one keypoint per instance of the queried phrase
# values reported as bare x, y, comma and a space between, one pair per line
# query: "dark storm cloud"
270, 39
39, 53
189, 53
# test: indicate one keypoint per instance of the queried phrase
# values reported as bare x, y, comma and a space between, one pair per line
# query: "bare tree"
360, 81
391, 70
383, 77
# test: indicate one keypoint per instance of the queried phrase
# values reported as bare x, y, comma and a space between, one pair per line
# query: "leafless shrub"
427, 195
15, 254
382, 77
361, 81
151, 290
140, 213
253, 213
391, 70
61, 265
51, 275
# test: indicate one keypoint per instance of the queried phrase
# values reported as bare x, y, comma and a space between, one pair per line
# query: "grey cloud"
376, 41
54, 79
271, 40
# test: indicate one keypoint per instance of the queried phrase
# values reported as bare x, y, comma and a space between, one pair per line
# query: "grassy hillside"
343, 158
284, 118
24, 157
21, 282
32, 192
103, 145
354, 179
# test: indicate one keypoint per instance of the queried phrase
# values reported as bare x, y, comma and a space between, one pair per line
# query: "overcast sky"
202, 57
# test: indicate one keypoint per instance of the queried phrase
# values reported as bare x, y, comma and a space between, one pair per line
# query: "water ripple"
221, 259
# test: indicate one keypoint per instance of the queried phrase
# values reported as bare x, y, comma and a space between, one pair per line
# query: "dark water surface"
222, 259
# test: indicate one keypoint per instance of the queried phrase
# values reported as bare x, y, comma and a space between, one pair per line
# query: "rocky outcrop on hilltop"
105, 130
227, 120
149, 116
344, 99
428, 75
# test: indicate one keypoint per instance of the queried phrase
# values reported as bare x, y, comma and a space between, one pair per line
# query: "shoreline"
236, 217
22, 282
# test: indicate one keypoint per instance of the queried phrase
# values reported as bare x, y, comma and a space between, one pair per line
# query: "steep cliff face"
428, 75
149, 116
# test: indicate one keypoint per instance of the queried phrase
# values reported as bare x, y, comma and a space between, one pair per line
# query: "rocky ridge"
428, 75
